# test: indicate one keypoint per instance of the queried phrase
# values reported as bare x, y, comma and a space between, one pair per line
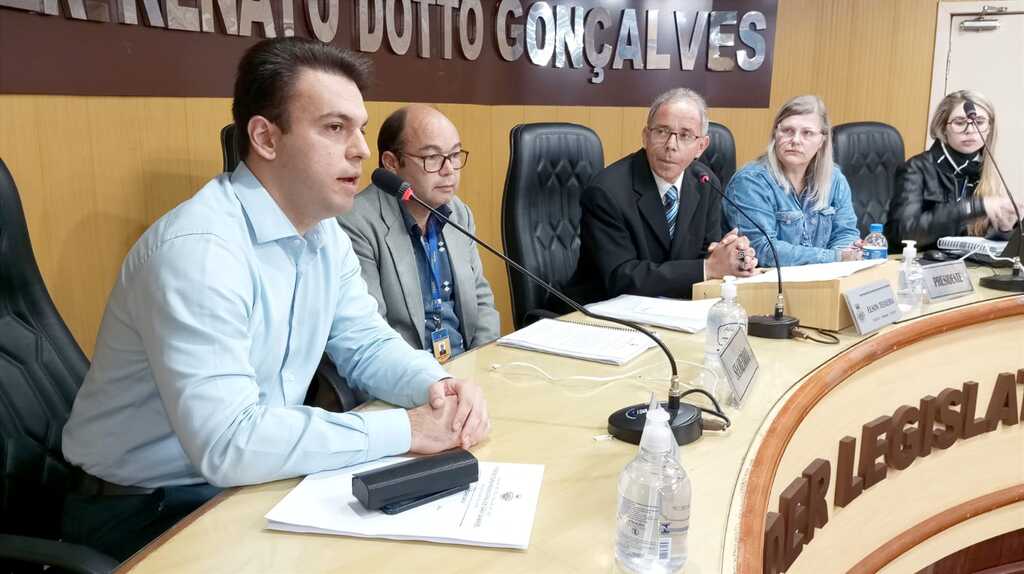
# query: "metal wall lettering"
150, 13
471, 9
597, 18
181, 17
423, 8
447, 9
690, 37
75, 8
541, 13
288, 17
628, 45
717, 39
510, 37
370, 35
228, 16
750, 23
326, 30
568, 36
655, 60
399, 42
27, 5
256, 11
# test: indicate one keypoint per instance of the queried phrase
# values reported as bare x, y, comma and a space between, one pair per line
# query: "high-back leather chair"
41, 369
229, 147
720, 155
869, 154
549, 166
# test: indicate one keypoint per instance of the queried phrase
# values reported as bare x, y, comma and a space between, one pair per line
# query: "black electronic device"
411, 483
625, 424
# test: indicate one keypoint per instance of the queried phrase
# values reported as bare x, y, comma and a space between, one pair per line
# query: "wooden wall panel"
94, 172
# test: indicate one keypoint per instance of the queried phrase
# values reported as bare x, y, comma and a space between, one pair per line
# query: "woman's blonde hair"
988, 184
818, 177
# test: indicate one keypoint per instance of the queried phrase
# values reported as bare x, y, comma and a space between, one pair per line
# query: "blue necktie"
671, 209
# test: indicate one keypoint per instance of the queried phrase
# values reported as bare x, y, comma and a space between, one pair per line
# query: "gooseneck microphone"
625, 424
1015, 280
775, 326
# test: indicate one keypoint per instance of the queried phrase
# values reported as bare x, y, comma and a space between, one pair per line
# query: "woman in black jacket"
951, 189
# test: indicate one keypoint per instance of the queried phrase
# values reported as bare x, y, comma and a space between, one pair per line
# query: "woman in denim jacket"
796, 193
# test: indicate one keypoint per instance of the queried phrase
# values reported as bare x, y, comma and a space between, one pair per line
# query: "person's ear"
263, 137
390, 161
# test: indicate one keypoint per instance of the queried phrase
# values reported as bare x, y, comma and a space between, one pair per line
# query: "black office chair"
721, 153
326, 374
229, 147
869, 154
41, 369
549, 166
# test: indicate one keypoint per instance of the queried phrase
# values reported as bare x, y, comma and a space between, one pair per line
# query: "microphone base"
768, 327
627, 424
1013, 283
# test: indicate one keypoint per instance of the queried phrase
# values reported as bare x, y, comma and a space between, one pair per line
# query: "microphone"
1015, 281
625, 424
775, 326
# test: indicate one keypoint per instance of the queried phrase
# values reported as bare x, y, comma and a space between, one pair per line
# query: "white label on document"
872, 306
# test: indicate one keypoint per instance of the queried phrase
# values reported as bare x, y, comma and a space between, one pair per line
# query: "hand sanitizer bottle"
910, 290
654, 502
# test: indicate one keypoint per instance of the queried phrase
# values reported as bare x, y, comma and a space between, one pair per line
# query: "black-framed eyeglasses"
660, 135
434, 162
963, 125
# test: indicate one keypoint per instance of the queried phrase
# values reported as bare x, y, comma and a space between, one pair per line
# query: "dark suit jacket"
624, 241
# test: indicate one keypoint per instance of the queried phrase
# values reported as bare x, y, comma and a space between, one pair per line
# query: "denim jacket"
802, 233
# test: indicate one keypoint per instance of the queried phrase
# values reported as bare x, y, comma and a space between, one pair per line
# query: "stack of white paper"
813, 272
610, 345
676, 314
497, 510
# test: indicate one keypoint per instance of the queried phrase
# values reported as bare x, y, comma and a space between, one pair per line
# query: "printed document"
675, 314
497, 510
611, 345
813, 272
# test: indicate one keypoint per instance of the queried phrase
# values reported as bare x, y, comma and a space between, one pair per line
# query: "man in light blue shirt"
223, 309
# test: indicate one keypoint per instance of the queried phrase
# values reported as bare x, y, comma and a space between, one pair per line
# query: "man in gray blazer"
427, 278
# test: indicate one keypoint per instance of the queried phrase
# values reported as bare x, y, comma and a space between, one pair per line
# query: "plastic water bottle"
875, 244
654, 502
910, 290
724, 319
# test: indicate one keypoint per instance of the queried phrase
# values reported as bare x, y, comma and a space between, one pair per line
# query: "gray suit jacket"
382, 242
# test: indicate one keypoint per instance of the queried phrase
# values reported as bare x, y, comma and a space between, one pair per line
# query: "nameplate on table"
739, 363
944, 280
872, 306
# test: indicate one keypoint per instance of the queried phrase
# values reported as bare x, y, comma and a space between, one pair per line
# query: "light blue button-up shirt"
212, 333
802, 232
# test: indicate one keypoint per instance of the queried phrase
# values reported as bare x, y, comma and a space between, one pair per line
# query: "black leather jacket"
925, 206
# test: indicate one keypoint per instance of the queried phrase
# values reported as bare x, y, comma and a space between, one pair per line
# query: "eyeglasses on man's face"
433, 163
963, 125
807, 135
660, 135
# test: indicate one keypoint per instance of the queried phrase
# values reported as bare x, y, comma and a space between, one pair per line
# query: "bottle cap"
657, 437
909, 249
729, 287
876, 228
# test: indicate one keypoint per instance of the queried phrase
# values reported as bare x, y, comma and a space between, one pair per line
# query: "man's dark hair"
269, 70
390, 136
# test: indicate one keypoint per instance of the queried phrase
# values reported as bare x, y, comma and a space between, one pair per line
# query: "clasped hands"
455, 416
731, 256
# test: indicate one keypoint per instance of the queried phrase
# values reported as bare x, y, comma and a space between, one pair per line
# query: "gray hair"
681, 95
818, 178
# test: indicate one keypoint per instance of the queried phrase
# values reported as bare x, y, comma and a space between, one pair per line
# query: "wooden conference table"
807, 397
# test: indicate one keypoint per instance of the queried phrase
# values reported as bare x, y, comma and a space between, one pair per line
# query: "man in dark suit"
651, 222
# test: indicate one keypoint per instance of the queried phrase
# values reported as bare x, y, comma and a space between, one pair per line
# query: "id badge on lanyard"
440, 341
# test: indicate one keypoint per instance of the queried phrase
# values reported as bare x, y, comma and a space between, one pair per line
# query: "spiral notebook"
598, 343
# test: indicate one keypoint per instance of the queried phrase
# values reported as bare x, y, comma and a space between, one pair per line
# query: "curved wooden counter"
792, 415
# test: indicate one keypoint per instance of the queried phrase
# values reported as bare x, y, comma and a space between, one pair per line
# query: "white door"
991, 62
